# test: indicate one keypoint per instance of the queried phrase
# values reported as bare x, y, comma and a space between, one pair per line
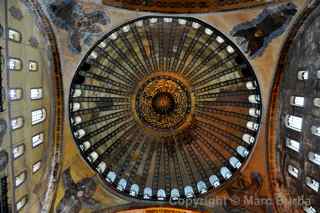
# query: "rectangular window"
297, 101
14, 35
16, 123
15, 94
18, 151
37, 140
36, 93
20, 178
314, 157
313, 184
36, 166
293, 171
293, 144
21, 203
33, 66
14, 64
38, 116
294, 122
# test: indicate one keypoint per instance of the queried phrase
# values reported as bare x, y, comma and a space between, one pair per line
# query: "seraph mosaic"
70, 16
254, 36
77, 195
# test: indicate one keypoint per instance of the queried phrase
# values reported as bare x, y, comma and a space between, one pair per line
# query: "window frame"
37, 65
15, 88
17, 31
24, 149
14, 118
14, 58
39, 144
37, 162
44, 111
24, 180
41, 88
25, 197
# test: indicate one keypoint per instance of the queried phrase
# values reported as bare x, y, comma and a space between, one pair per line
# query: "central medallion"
163, 103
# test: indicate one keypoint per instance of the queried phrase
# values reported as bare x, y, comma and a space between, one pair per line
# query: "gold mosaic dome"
165, 108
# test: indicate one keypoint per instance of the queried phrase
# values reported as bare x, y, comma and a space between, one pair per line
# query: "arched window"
174, 194
147, 193
36, 93
214, 181
195, 25
37, 140
303, 75
21, 203
254, 112
93, 55
293, 171
114, 36
111, 177
93, 156
85, 145
309, 209
20, 178
251, 85
101, 167
80, 133
314, 158
202, 187
127, 28
230, 49
134, 190
242, 151
16, 123
294, 122
75, 107
77, 93
36, 166
38, 116
254, 99
315, 130
161, 194
122, 184
312, 184
248, 138
102, 44
252, 126
225, 172
293, 144
15, 94
33, 66
219, 39
18, 151
234, 162
182, 21
188, 191
297, 101
208, 31
76, 120
14, 64
14, 35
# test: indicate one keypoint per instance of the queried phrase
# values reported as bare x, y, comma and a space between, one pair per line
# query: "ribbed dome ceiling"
165, 107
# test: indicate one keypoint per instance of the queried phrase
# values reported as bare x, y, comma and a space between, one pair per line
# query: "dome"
169, 105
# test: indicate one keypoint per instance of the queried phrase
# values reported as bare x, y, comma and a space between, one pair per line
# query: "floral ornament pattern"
81, 26
34, 42
77, 195
254, 36
16, 13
